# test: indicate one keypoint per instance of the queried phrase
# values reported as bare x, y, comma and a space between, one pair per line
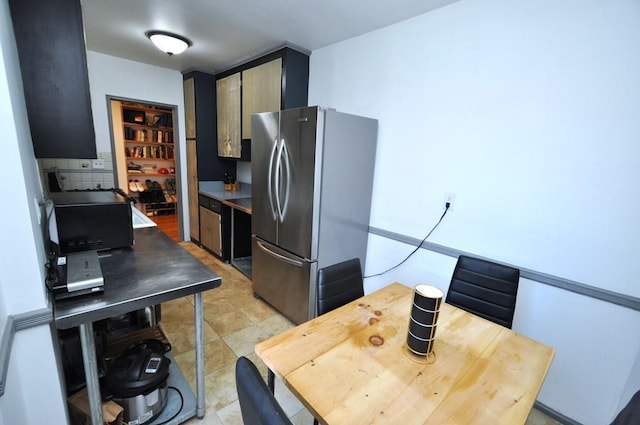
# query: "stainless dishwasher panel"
284, 280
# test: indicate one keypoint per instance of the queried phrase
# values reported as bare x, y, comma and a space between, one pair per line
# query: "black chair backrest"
257, 403
339, 284
630, 414
485, 289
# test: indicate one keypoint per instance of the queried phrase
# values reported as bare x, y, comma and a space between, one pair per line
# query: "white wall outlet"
98, 163
451, 199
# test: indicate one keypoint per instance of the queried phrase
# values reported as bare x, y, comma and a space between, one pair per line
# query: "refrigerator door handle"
279, 256
287, 180
270, 178
278, 173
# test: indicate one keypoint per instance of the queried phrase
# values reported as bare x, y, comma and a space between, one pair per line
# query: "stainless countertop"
154, 270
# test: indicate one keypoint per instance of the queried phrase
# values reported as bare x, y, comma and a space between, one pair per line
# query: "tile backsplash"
79, 174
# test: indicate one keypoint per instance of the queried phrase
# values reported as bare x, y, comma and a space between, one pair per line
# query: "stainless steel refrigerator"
312, 177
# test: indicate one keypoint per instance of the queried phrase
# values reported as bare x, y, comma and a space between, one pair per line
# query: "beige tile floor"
234, 322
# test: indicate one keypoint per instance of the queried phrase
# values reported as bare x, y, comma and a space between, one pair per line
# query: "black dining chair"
485, 289
339, 284
257, 403
630, 414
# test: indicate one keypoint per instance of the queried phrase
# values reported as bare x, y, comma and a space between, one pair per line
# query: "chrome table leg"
88, 344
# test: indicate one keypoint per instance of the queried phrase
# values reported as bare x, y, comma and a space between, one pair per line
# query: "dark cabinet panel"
241, 234
295, 79
50, 40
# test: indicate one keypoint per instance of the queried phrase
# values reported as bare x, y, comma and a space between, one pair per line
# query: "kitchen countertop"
241, 204
215, 189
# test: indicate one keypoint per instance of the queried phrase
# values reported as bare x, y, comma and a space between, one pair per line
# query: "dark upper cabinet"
50, 40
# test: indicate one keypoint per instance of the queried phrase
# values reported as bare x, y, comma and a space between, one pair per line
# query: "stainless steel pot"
137, 381
143, 408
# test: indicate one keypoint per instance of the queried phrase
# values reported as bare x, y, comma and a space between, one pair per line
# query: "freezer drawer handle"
279, 256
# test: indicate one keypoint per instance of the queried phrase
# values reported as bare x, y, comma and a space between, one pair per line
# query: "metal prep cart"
154, 270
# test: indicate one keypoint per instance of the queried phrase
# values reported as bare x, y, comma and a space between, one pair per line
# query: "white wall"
633, 385
32, 374
117, 77
243, 172
528, 112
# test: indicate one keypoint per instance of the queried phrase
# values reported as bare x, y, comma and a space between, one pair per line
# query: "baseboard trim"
555, 281
12, 324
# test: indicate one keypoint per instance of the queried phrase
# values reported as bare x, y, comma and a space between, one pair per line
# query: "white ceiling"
226, 32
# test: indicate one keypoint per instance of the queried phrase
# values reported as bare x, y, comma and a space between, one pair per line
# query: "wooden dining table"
351, 366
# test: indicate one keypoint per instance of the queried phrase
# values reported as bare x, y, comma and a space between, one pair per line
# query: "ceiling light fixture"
171, 44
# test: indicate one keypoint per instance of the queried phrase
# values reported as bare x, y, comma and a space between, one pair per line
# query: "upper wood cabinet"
261, 92
192, 157
192, 189
200, 113
276, 81
228, 116
50, 39
190, 107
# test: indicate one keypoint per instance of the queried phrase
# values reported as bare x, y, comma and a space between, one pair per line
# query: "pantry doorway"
145, 147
